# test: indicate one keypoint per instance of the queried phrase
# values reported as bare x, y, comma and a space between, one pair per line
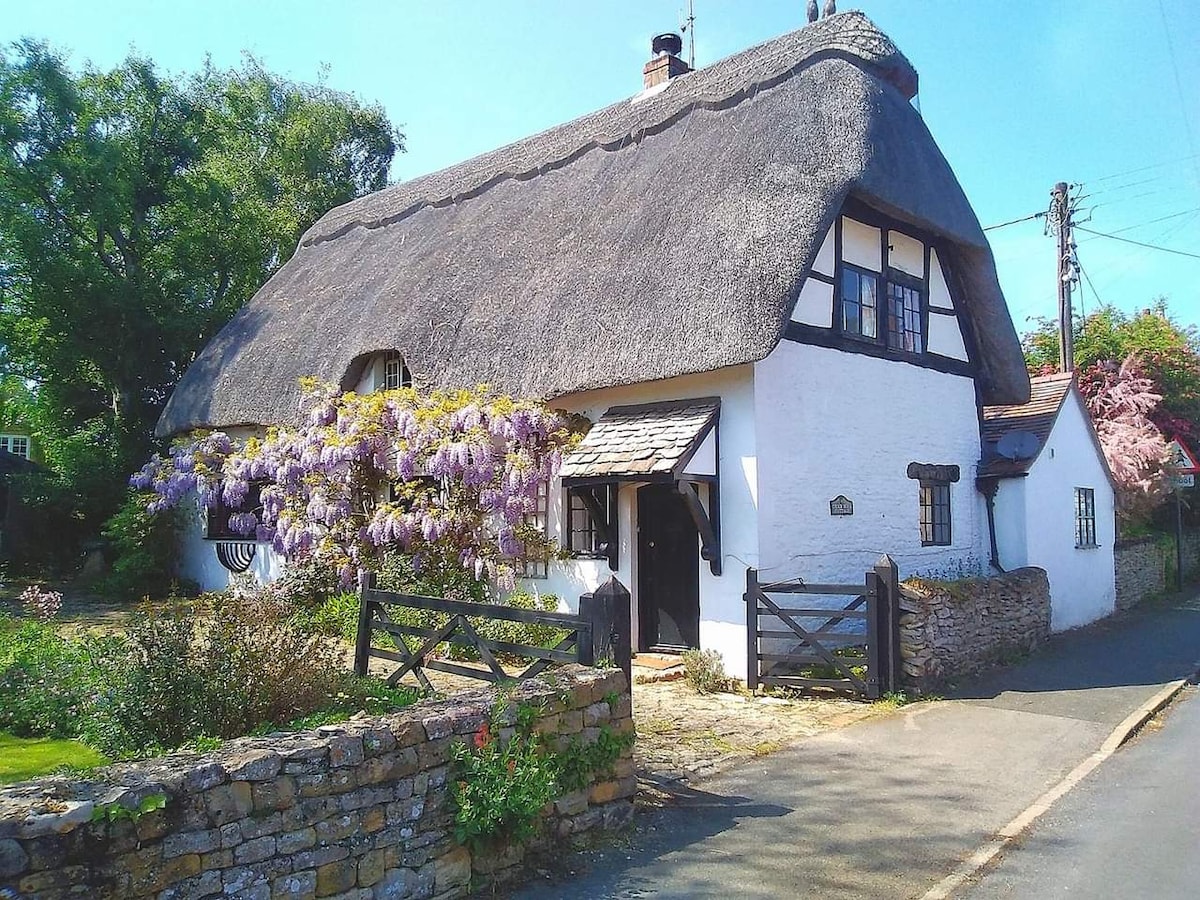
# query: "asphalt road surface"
1131, 829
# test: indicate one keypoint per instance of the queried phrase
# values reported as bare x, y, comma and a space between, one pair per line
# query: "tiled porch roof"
652, 439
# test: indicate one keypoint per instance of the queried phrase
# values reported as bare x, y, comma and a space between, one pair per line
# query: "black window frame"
216, 526
842, 300
936, 513
911, 285
1085, 518
583, 537
889, 343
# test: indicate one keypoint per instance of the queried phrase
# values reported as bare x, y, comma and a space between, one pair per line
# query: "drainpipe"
988, 487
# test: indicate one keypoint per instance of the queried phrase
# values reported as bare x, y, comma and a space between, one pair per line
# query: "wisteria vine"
448, 472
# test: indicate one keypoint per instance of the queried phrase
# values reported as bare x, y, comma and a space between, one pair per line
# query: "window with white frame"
535, 564
16, 444
395, 372
1085, 517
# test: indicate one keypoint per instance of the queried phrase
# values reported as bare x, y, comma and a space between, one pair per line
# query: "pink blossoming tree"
445, 474
1121, 400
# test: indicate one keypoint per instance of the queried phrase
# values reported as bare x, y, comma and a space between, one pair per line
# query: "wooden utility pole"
1059, 219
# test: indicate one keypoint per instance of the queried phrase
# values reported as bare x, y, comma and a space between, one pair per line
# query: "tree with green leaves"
138, 212
1167, 353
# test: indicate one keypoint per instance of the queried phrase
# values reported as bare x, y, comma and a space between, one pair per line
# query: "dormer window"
880, 286
395, 372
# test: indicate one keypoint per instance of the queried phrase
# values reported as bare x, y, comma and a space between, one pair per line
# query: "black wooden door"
668, 571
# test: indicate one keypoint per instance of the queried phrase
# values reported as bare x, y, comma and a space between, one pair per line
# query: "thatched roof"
647, 240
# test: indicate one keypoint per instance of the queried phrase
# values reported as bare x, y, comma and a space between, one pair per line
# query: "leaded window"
536, 565
591, 524
904, 317
860, 303
1085, 517
16, 444
935, 513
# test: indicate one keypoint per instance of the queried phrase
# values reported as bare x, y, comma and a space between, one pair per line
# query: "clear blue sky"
1019, 94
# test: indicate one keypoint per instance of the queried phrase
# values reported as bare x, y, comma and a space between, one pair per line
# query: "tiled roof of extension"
1047, 393
645, 440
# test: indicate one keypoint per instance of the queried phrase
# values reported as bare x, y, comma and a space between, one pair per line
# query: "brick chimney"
666, 63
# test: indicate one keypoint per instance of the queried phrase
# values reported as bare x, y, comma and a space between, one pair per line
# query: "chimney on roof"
666, 63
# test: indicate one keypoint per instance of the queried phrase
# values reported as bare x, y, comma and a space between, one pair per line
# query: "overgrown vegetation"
217, 668
704, 671
501, 787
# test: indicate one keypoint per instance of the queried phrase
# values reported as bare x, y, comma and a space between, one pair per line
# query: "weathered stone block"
206, 884
295, 841
345, 750
254, 851
452, 870
258, 826
295, 886
278, 793
318, 856
255, 765
228, 802
13, 859
371, 867
191, 842
334, 877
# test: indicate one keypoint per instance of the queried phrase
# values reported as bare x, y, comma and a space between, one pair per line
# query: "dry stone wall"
952, 629
358, 810
1146, 566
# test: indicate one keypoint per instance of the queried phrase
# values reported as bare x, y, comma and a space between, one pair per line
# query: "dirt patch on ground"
683, 735
79, 607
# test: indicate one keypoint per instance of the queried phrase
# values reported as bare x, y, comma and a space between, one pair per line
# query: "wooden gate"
598, 635
852, 647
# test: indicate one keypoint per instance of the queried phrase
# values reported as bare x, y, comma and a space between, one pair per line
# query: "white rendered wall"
1012, 546
1082, 581
198, 558
722, 611
833, 423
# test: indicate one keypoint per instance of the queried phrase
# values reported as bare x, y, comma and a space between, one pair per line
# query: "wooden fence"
599, 634
855, 647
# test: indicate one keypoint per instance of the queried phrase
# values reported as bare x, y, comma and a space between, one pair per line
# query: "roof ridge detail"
727, 82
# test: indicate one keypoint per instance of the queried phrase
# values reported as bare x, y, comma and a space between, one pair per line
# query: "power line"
1036, 215
1183, 112
1139, 243
1186, 212
1157, 165
1088, 279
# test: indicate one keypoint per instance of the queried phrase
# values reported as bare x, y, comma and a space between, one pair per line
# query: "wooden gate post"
876, 649
889, 622
608, 610
751, 598
362, 641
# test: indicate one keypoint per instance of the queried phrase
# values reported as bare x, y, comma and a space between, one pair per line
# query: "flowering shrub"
446, 473
501, 787
1121, 400
41, 605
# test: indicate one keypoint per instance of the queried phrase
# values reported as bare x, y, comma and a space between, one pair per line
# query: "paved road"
887, 807
1132, 829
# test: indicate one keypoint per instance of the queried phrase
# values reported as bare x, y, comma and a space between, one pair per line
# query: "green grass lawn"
22, 758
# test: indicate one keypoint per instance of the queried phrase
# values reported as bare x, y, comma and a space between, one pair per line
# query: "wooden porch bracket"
708, 525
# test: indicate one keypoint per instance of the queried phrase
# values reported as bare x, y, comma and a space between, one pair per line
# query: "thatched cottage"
760, 280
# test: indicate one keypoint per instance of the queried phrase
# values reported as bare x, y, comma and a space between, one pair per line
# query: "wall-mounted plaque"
841, 506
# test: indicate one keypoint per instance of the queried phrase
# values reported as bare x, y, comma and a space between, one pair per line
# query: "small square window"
218, 528
1085, 517
935, 513
591, 521
16, 444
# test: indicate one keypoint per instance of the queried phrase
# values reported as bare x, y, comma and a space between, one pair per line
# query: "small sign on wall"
841, 506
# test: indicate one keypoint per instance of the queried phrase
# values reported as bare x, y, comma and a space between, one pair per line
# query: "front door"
668, 571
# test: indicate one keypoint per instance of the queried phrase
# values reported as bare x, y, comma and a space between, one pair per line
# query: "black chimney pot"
669, 43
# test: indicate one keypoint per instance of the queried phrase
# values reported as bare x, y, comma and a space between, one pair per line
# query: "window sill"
937, 543
579, 554
1087, 546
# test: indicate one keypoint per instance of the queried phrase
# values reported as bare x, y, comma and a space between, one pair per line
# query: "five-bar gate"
853, 646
